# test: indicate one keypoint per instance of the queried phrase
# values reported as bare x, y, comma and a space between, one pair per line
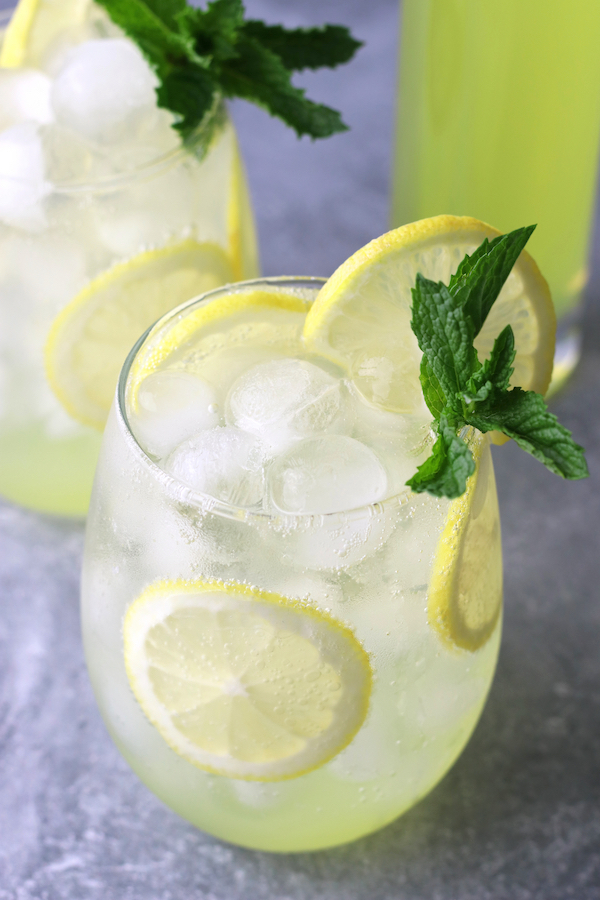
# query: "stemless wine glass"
95, 243
350, 650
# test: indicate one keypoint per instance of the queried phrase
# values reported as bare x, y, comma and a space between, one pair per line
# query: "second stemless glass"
145, 529
178, 224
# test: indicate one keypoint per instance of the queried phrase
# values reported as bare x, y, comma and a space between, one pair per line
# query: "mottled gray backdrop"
518, 817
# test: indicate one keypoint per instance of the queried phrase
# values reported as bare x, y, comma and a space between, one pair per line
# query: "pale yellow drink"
370, 575
98, 238
499, 118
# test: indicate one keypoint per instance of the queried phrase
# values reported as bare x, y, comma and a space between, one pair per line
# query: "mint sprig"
199, 54
461, 391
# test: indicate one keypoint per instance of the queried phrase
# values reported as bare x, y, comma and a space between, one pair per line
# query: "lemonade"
292, 583
499, 117
106, 222
242, 471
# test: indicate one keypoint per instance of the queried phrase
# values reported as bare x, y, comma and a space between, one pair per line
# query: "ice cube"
330, 474
192, 542
24, 97
105, 90
22, 177
49, 269
222, 367
68, 26
327, 474
401, 441
68, 156
146, 213
336, 542
45, 271
285, 400
40, 274
410, 551
156, 140
224, 462
387, 621
172, 407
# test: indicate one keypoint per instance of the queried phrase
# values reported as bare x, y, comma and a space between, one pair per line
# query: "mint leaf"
258, 75
480, 277
445, 472
200, 54
189, 93
524, 417
215, 30
305, 48
495, 372
461, 391
445, 336
499, 367
161, 43
223, 16
435, 397
167, 10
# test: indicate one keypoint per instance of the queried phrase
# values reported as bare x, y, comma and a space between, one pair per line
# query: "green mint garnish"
460, 390
199, 54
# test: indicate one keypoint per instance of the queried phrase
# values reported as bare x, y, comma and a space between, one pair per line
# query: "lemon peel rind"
14, 45
418, 234
70, 323
357, 703
442, 613
165, 338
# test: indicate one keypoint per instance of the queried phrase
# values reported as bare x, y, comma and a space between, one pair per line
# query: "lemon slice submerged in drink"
242, 682
465, 590
361, 318
91, 337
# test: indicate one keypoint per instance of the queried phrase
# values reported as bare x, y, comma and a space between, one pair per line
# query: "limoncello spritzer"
106, 222
499, 118
121, 195
288, 646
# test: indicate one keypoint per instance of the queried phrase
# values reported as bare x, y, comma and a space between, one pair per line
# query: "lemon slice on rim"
35, 24
245, 683
361, 318
241, 312
90, 339
465, 591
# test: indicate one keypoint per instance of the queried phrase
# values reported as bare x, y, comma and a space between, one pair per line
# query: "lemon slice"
465, 592
34, 26
361, 318
245, 316
240, 222
245, 683
90, 339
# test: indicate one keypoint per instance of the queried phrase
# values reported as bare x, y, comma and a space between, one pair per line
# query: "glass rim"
149, 169
179, 491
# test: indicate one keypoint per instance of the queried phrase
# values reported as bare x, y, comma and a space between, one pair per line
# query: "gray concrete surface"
518, 817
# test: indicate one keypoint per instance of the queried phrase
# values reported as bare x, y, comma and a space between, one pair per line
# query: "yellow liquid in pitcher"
499, 118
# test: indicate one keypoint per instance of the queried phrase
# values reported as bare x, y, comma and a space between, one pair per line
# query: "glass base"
568, 350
